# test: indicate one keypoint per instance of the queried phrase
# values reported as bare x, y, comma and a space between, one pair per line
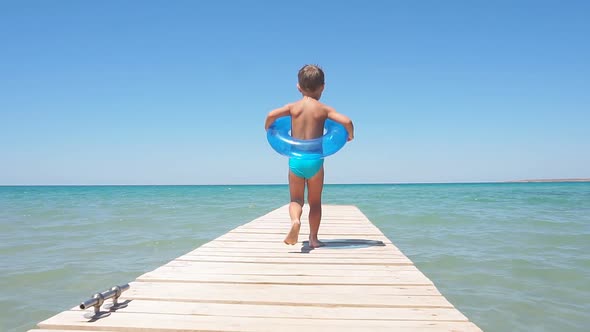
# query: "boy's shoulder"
302, 102
298, 106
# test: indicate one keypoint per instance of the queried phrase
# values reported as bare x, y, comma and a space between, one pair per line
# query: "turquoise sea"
511, 256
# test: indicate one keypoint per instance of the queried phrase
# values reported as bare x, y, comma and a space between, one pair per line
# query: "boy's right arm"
343, 120
275, 114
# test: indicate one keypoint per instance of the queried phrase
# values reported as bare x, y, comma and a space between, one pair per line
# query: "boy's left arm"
275, 114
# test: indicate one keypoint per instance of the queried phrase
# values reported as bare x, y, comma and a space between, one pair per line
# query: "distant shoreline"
553, 180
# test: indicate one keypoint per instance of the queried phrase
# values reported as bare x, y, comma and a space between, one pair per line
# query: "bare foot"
293, 234
316, 243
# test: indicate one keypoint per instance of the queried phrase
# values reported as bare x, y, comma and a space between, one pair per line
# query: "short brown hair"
311, 77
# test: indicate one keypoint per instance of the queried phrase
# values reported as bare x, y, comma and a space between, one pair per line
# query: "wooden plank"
311, 255
337, 250
343, 244
289, 260
324, 226
305, 225
346, 246
68, 330
297, 257
291, 269
264, 237
402, 278
304, 232
325, 222
265, 222
286, 311
318, 295
135, 322
334, 223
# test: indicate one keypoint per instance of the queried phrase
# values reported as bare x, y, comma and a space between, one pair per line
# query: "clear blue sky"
176, 92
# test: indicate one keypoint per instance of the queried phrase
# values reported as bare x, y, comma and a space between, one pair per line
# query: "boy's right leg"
297, 190
315, 185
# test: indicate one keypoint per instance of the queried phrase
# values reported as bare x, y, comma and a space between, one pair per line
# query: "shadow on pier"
342, 244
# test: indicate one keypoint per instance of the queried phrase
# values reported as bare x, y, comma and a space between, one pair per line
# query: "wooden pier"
249, 280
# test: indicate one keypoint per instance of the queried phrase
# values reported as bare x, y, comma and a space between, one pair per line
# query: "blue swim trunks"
304, 168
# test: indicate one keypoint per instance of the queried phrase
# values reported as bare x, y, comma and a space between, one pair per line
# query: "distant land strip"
554, 180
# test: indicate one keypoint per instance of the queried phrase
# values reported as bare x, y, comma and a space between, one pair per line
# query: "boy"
307, 122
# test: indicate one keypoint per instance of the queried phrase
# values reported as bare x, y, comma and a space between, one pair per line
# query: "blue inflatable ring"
333, 140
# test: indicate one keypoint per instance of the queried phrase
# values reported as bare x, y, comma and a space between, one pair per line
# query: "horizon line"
284, 184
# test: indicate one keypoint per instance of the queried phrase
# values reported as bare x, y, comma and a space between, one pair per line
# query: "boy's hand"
350, 138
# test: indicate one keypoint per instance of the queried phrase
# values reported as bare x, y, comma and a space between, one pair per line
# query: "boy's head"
311, 79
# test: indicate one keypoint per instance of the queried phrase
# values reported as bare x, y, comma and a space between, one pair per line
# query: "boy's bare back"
307, 118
